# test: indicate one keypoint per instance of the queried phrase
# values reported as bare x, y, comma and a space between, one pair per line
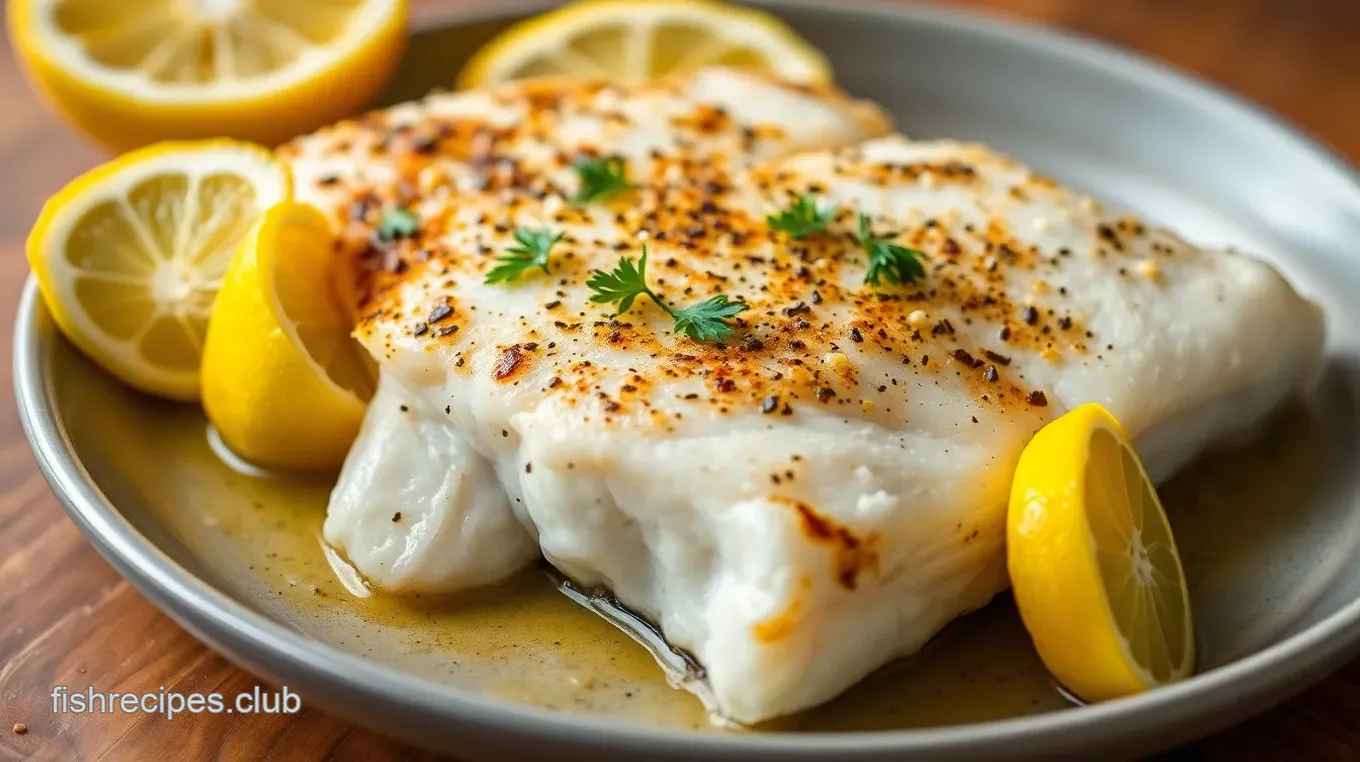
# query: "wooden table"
67, 618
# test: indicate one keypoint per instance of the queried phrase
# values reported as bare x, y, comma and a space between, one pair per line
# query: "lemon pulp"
130, 256
133, 72
636, 40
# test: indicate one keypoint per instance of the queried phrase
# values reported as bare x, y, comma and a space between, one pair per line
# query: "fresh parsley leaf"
628, 281
397, 223
802, 218
704, 321
898, 264
531, 251
601, 178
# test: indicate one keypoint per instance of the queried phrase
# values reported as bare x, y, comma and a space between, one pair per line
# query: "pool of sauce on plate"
258, 536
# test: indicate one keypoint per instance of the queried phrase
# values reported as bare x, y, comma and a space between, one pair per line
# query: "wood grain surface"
67, 618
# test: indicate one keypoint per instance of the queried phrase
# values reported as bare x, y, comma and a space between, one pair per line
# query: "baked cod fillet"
824, 491
503, 157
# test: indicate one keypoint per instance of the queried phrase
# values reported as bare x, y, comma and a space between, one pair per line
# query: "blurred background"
63, 606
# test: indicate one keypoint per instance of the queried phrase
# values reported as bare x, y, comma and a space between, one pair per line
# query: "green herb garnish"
802, 218
397, 223
628, 280
704, 321
531, 251
601, 178
898, 264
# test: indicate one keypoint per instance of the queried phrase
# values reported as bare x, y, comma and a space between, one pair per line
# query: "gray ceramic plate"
1269, 531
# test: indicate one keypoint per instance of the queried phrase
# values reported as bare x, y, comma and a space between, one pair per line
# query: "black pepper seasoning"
439, 312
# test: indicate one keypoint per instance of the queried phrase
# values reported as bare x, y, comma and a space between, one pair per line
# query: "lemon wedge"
130, 255
1094, 567
132, 72
637, 40
284, 382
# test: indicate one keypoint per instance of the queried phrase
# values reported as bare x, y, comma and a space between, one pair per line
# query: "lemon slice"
130, 255
284, 382
131, 72
637, 40
1093, 564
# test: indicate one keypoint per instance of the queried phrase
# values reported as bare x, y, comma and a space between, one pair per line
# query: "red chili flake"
769, 404
962, 356
1036, 399
725, 385
996, 358
1005, 333
825, 393
1064, 322
420, 329
856, 336
396, 517
554, 382
1030, 315
991, 374
752, 344
447, 330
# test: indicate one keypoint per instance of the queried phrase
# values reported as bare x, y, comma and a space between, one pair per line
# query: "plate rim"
267, 646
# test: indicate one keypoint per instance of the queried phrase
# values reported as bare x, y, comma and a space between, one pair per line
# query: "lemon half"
284, 382
1093, 564
132, 72
129, 256
637, 40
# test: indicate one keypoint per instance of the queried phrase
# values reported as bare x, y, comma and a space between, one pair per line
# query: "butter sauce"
257, 536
